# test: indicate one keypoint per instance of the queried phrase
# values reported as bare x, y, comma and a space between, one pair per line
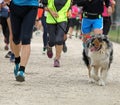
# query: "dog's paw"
101, 83
91, 80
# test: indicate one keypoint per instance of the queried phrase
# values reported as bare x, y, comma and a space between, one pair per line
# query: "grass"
114, 35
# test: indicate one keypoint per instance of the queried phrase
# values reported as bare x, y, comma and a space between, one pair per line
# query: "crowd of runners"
58, 19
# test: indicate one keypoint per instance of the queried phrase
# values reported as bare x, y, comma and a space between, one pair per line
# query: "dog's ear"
106, 39
104, 36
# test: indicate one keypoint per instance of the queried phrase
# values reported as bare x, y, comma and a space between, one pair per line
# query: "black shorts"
74, 22
56, 33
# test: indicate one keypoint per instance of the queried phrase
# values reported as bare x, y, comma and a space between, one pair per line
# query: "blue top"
26, 2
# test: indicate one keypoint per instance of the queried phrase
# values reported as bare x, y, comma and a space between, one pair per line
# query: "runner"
23, 15
92, 16
56, 23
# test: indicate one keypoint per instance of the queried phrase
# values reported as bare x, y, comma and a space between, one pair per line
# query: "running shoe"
20, 76
64, 48
56, 63
6, 47
12, 58
44, 50
8, 55
16, 68
49, 52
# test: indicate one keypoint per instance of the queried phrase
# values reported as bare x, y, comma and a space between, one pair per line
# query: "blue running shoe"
20, 76
12, 58
16, 68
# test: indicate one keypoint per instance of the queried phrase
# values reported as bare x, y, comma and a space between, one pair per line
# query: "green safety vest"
62, 12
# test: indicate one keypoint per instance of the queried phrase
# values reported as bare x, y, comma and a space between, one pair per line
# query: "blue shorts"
90, 24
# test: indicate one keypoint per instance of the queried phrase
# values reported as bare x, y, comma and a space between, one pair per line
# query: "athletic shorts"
89, 25
22, 21
56, 33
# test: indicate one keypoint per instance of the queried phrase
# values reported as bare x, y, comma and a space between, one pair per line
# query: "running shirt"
75, 11
92, 6
26, 2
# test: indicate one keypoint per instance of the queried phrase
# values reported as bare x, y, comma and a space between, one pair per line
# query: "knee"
16, 41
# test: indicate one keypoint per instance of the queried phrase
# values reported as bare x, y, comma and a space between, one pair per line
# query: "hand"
69, 14
7, 0
113, 2
55, 14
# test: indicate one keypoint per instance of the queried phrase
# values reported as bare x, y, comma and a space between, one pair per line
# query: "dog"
98, 56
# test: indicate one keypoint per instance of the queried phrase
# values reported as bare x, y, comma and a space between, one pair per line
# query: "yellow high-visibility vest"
62, 13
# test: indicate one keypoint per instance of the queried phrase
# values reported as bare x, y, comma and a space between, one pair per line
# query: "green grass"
115, 35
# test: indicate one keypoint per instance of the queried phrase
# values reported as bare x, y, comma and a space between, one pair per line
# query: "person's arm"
53, 13
108, 5
111, 8
69, 13
7, 0
113, 3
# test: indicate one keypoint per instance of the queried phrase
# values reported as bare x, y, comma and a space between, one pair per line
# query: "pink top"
75, 11
105, 13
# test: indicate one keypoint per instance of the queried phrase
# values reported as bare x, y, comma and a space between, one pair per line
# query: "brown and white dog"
98, 55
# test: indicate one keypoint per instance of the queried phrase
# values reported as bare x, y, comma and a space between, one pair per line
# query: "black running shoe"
64, 48
8, 55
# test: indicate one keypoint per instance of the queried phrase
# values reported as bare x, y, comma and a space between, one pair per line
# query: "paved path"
67, 85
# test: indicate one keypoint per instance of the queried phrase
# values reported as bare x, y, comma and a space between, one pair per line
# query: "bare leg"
70, 32
58, 51
16, 49
10, 31
25, 53
98, 31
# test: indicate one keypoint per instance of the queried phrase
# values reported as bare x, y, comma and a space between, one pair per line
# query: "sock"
17, 60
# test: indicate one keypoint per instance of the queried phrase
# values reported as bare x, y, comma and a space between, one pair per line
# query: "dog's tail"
85, 58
